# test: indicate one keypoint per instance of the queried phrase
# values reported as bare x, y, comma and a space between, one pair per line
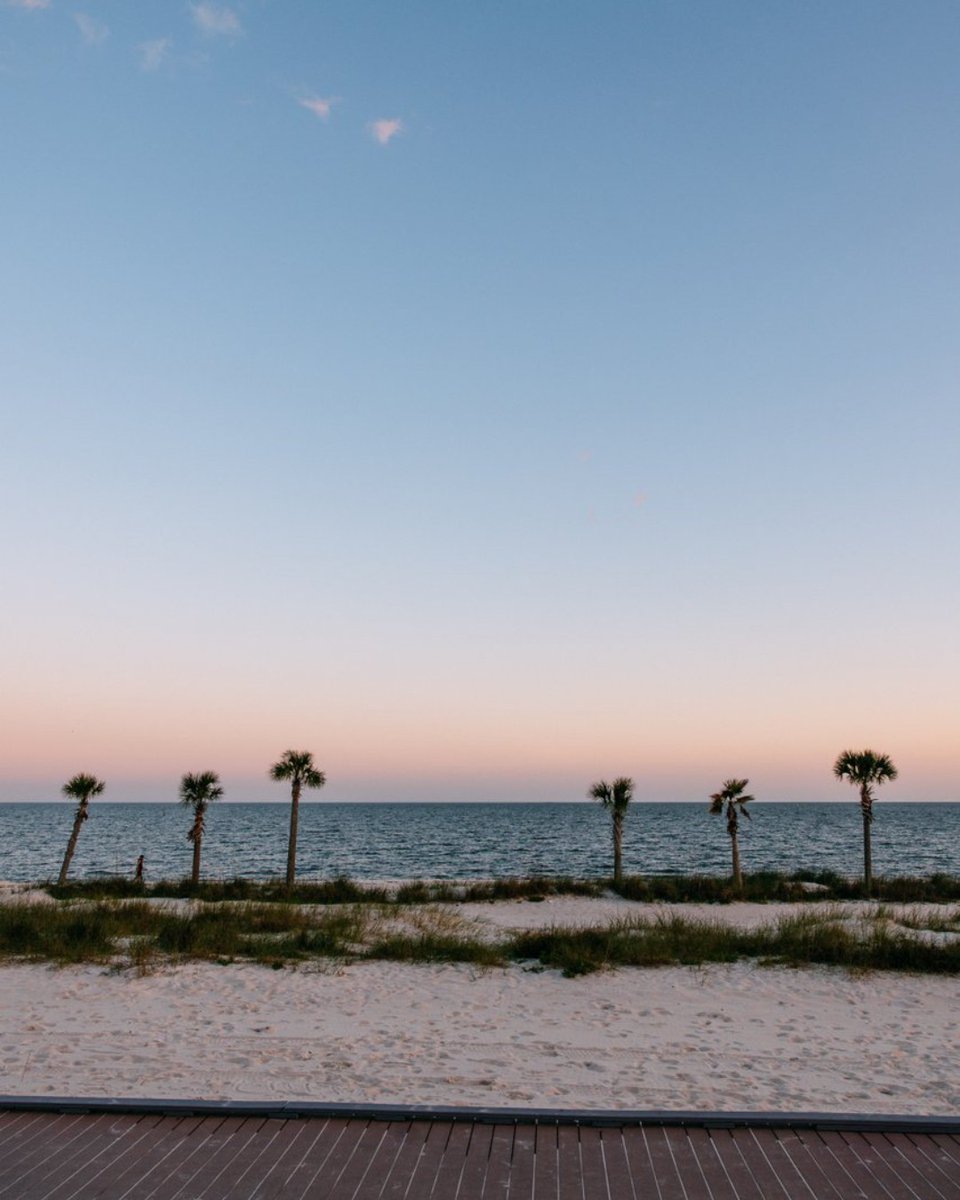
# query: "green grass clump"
430, 947
54, 934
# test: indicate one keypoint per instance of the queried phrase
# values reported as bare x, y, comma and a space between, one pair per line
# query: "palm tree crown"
864, 768
731, 799
297, 766
196, 792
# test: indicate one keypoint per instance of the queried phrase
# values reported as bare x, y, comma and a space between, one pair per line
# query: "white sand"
720, 1037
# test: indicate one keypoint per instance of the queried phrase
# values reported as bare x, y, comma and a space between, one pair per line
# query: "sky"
489, 397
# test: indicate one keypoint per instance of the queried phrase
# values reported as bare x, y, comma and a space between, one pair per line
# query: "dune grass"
141, 935
759, 887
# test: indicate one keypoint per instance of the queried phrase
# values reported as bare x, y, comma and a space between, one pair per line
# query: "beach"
738, 1036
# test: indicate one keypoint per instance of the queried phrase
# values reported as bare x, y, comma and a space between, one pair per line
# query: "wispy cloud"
92, 31
216, 19
27, 3
153, 53
386, 129
320, 106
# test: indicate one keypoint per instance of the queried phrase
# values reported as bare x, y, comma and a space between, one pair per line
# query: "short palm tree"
615, 798
298, 767
732, 801
197, 792
864, 768
80, 788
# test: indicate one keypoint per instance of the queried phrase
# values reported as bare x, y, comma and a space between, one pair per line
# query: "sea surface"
468, 841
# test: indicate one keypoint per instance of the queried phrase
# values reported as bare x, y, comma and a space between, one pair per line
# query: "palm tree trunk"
617, 848
292, 845
867, 810
195, 874
71, 847
737, 876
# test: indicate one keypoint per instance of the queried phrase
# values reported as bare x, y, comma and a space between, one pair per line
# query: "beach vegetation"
732, 801
81, 788
198, 792
865, 769
297, 767
615, 798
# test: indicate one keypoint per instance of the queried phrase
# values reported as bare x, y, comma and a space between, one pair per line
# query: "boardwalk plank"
405, 1168
41, 1130
446, 1182
523, 1162
106, 1164
664, 1166
593, 1170
881, 1169
546, 1164
48, 1163
496, 1185
132, 1172
687, 1164
949, 1147
937, 1185
568, 1164
361, 1162
395, 1135
639, 1164
475, 1163
712, 1167
324, 1163
237, 1177
305, 1160
815, 1163
754, 1157
906, 1168
208, 1140
617, 1169
726, 1148
849, 1172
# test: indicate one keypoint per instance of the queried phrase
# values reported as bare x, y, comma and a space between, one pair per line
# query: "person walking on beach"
138, 874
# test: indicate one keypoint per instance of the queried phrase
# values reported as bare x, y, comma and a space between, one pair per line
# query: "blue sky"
489, 397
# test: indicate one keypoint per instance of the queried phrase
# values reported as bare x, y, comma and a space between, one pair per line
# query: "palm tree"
730, 799
615, 798
196, 792
80, 788
297, 766
864, 768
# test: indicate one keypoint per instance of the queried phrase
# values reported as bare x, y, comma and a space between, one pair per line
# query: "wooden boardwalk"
74, 1155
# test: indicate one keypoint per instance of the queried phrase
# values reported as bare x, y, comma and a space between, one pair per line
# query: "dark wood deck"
74, 1155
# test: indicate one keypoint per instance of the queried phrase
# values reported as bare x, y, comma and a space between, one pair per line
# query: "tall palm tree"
80, 788
298, 767
615, 798
863, 768
197, 792
730, 799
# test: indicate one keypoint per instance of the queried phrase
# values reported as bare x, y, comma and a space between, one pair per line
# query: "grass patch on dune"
759, 887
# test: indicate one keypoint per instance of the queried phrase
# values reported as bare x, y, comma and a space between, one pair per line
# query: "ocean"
469, 841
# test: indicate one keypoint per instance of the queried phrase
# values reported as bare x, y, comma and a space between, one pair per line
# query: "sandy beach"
739, 1036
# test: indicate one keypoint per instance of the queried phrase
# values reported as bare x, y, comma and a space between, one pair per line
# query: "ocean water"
464, 841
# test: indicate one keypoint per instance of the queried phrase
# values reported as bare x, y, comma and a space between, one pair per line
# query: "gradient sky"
487, 396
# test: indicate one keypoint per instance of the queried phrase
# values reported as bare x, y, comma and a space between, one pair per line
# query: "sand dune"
721, 1037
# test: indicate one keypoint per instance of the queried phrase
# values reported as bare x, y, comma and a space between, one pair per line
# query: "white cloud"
153, 53
320, 106
386, 129
216, 19
92, 31
27, 3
